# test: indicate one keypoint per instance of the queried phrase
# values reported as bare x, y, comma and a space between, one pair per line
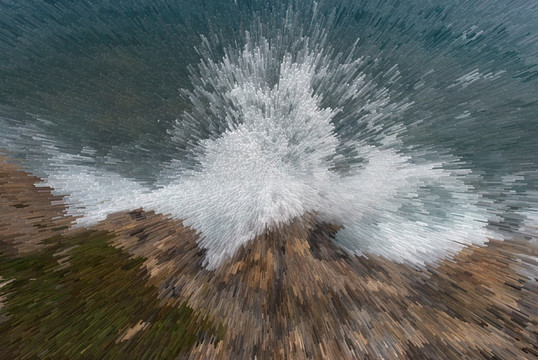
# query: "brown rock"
29, 214
292, 293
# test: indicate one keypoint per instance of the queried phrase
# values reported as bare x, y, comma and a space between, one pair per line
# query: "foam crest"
268, 141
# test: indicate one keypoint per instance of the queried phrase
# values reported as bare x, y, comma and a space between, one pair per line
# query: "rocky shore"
289, 294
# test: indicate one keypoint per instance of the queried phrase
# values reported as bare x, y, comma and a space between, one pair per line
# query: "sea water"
411, 125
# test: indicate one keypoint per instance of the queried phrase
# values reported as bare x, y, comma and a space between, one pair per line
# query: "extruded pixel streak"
268, 179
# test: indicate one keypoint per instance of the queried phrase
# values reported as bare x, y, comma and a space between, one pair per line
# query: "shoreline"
263, 297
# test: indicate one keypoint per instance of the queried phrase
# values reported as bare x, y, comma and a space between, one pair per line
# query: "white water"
280, 157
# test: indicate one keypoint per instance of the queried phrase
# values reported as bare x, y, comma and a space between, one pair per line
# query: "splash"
282, 127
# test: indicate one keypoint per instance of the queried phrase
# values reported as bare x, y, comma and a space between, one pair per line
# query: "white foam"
277, 157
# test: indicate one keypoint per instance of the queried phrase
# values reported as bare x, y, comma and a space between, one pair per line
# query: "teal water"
420, 117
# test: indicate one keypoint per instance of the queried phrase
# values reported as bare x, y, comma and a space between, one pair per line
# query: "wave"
285, 127
390, 126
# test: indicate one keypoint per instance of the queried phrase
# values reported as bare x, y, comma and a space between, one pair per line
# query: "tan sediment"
132, 331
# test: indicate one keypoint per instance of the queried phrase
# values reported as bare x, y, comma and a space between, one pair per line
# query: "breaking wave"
286, 125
